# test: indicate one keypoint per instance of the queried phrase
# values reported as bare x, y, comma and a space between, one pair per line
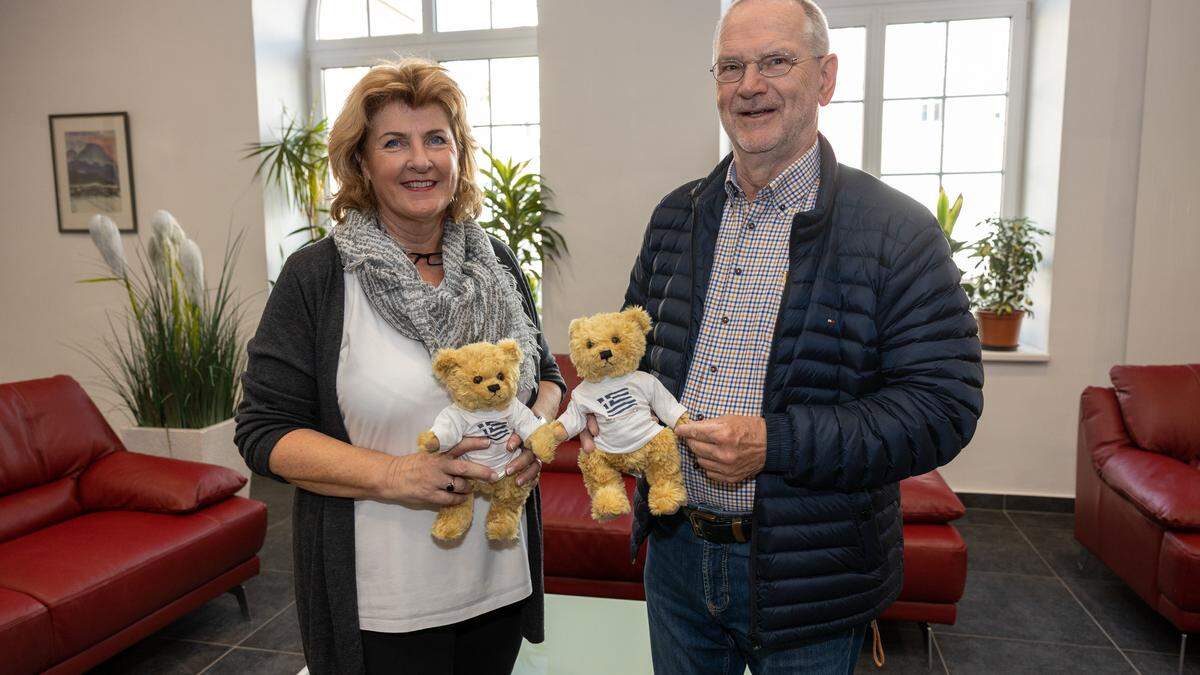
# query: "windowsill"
1024, 354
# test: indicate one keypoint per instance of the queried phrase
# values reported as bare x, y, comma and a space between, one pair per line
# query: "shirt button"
737, 271
749, 226
724, 319
712, 369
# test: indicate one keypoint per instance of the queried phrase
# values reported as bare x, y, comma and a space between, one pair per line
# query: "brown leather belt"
714, 527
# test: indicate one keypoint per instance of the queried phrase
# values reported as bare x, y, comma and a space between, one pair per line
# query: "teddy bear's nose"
493, 388
606, 354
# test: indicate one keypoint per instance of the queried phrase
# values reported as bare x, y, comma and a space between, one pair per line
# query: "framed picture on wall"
93, 170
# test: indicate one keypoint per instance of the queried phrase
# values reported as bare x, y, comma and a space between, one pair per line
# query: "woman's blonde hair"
415, 83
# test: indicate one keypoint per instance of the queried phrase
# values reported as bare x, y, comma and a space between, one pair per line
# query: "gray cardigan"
290, 383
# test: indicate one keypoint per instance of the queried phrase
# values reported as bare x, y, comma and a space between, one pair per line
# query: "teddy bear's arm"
662, 402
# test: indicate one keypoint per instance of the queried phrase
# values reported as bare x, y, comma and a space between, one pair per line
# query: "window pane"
518, 143
338, 83
472, 78
463, 15
978, 58
912, 131
842, 124
342, 19
483, 137
981, 199
515, 91
974, 134
510, 13
850, 45
914, 60
395, 17
924, 189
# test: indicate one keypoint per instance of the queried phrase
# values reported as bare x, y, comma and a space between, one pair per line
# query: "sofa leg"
240, 594
928, 644
1182, 650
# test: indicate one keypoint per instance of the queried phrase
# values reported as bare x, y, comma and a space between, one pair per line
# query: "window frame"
875, 15
490, 43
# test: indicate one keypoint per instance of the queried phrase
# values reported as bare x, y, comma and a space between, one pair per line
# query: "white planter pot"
211, 445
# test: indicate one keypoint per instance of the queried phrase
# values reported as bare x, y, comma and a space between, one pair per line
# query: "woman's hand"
525, 466
421, 479
586, 444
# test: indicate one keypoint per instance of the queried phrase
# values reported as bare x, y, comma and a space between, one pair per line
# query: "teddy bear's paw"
444, 530
544, 441
666, 499
503, 528
609, 502
428, 441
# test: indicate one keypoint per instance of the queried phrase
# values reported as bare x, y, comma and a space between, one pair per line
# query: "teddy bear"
482, 381
606, 349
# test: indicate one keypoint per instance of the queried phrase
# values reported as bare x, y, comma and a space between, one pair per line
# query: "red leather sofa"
1137, 485
99, 546
583, 557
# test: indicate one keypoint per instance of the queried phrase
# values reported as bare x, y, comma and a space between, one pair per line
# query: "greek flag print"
496, 430
617, 402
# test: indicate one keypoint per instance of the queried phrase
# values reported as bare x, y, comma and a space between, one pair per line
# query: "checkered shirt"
750, 264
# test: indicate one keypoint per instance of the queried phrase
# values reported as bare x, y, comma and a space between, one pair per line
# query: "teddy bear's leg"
504, 516
667, 493
604, 485
453, 522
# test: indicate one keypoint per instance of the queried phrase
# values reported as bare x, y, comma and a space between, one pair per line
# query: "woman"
339, 384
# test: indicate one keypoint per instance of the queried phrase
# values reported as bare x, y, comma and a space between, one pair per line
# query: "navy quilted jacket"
874, 376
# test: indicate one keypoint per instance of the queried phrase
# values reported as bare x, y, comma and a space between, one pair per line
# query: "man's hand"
586, 442
730, 448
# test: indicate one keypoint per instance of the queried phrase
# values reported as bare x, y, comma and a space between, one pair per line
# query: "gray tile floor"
1035, 602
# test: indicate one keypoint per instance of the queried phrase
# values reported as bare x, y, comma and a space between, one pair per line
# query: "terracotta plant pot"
999, 332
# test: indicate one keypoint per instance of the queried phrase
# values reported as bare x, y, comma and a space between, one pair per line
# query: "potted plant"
1006, 259
177, 362
947, 216
298, 164
514, 199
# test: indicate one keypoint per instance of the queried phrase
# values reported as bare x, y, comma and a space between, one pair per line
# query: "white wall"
628, 114
1164, 305
184, 72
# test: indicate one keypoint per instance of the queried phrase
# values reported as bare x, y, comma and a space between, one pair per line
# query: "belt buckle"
695, 517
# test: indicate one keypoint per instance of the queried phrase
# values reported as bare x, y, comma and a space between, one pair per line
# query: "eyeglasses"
771, 65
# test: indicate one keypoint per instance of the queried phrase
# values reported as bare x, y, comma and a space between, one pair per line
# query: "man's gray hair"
817, 31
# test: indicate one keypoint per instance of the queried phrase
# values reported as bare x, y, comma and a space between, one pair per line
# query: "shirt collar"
787, 190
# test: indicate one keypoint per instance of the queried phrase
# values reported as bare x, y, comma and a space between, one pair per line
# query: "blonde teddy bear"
482, 381
606, 349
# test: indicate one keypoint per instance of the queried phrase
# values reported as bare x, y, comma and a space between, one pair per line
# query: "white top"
455, 423
407, 580
622, 406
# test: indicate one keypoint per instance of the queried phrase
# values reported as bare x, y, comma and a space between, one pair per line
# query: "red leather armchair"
100, 547
583, 557
1137, 484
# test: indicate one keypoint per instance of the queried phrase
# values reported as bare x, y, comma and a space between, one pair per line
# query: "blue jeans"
698, 601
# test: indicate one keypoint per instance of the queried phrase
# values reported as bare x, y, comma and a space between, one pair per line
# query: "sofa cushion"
99, 572
1163, 488
566, 459
136, 482
1179, 569
49, 429
927, 499
24, 633
1159, 404
577, 546
40, 506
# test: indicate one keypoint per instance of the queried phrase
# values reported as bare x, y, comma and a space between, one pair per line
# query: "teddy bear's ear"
510, 350
575, 323
639, 317
444, 362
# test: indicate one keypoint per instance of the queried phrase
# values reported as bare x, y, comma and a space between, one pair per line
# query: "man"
811, 320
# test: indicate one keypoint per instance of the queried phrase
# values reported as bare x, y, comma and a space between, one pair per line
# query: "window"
488, 46
931, 94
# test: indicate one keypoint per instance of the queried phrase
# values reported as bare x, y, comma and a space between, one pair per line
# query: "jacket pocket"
868, 535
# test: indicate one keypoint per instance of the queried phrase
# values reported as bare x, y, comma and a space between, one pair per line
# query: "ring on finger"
449, 486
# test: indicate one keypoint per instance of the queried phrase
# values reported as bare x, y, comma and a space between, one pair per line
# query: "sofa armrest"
131, 481
1162, 487
927, 499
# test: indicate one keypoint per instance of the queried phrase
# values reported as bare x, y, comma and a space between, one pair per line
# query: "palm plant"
515, 199
178, 360
298, 164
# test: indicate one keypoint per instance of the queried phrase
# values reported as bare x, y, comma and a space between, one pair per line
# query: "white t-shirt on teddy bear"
455, 423
622, 406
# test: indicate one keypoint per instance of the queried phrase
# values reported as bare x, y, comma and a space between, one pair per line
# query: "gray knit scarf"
477, 301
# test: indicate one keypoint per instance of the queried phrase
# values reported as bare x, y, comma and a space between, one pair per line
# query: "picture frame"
93, 170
